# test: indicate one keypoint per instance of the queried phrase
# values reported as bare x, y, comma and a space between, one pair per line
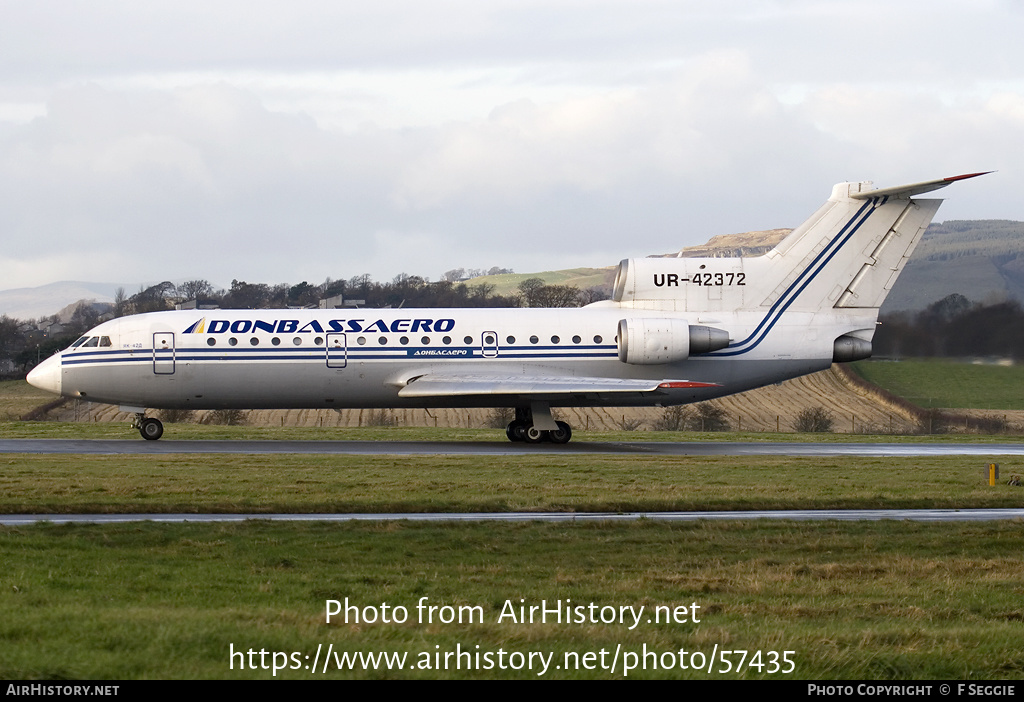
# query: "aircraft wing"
443, 385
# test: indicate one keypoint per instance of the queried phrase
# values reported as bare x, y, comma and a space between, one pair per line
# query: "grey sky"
280, 142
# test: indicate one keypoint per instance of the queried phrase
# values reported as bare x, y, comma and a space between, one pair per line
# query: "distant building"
339, 301
197, 305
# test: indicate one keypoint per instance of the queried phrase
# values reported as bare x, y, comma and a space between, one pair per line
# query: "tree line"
24, 342
403, 290
953, 327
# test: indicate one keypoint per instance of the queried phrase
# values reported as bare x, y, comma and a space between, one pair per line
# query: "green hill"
583, 278
937, 383
983, 260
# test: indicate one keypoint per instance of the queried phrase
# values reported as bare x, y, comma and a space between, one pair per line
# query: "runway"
480, 448
916, 515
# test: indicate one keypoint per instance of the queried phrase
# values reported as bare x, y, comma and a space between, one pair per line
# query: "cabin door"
163, 353
337, 354
489, 344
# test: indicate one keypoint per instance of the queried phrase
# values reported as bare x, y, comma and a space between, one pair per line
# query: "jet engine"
849, 348
653, 341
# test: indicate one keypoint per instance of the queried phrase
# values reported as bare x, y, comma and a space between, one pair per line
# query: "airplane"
675, 331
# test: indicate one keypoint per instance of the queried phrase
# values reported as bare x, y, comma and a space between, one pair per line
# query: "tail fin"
849, 254
846, 255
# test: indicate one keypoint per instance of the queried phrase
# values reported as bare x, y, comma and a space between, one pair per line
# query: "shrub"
626, 424
673, 419
380, 418
232, 417
989, 425
177, 416
814, 419
499, 417
707, 417
932, 422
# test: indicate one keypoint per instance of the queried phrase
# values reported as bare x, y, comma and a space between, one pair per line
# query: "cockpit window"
91, 342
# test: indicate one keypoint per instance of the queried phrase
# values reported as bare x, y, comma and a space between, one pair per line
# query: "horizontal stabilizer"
438, 385
907, 191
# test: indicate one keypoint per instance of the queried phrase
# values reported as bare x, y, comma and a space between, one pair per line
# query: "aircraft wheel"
562, 434
516, 431
151, 429
534, 435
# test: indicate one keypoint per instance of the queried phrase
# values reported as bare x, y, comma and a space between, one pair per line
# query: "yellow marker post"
993, 473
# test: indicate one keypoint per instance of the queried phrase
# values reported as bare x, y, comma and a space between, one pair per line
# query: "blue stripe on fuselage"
802, 281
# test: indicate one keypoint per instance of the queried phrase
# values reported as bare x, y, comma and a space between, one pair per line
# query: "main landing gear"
150, 427
534, 424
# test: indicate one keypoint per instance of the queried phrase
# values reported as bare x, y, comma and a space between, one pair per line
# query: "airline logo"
295, 326
440, 353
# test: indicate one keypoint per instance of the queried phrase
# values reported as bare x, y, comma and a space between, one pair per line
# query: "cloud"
430, 136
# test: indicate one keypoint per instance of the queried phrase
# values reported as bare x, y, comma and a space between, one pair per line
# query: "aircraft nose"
47, 375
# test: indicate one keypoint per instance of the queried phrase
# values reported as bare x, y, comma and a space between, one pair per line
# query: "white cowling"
653, 341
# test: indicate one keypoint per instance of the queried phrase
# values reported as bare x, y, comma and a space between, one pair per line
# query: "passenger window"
598, 339
297, 341
232, 341
425, 341
382, 340
361, 341
275, 341
468, 340
534, 339
510, 340
555, 340
447, 340
211, 341
254, 341
404, 340
576, 339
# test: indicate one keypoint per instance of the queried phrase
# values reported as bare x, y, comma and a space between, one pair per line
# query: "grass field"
18, 398
940, 383
890, 600
850, 601
43, 484
870, 600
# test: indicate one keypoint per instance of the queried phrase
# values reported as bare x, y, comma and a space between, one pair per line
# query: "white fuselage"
362, 358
